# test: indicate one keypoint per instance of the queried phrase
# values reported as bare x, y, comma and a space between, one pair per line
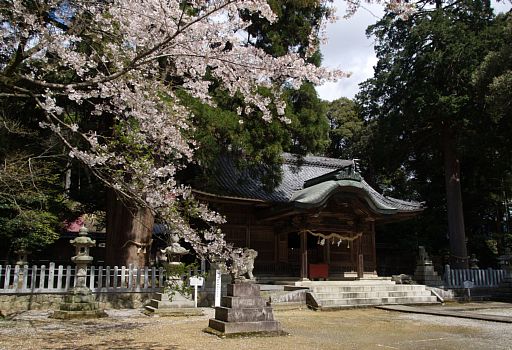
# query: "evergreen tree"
346, 129
220, 130
424, 107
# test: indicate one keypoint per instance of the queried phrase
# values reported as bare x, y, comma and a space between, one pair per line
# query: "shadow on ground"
117, 344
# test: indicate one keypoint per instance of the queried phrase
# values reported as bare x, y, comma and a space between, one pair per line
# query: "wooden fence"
480, 278
58, 279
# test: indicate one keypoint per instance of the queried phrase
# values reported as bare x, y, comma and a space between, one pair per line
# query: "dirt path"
348, 329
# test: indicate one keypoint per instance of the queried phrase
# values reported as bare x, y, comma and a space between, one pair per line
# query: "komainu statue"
243, 265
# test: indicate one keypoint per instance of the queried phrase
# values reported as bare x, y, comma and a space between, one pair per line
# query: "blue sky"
349, 49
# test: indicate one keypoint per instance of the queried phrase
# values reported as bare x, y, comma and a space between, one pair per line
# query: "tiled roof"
296, 171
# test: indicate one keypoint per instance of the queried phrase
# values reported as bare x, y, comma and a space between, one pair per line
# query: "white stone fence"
100, 279
480, 278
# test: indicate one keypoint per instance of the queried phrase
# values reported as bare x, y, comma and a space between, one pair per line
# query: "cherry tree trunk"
129, 232
456, 230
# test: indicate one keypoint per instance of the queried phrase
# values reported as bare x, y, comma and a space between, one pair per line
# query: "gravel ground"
347, 329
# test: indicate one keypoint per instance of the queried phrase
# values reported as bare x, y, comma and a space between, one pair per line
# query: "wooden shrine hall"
318, 223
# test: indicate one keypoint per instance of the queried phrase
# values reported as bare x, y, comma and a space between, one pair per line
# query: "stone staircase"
178, 306
326, 295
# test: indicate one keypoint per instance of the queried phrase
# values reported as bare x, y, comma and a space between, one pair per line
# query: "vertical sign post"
196, 282
218, 287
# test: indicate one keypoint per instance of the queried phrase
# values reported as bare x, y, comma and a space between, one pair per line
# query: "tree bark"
129, 233
456, 230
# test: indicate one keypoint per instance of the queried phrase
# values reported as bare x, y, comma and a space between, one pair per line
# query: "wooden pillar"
360, 265
276, 250
374, 248
248, 231
358, 246
303, 255
360, 257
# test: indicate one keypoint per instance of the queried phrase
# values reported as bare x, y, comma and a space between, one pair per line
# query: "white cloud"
349, 49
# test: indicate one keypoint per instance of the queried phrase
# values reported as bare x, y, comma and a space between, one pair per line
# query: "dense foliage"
255, 141
112, 82
425, 107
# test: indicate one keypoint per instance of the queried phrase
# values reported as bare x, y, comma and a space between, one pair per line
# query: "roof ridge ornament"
304, 160
348, 172
355, 162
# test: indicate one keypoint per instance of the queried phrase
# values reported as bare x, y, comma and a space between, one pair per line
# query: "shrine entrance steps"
331, 295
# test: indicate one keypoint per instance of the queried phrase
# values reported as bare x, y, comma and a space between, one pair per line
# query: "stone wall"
21, 302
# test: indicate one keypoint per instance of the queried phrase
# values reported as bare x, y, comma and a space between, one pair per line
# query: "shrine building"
318, 223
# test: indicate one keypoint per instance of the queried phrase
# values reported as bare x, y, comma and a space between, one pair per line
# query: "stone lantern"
79, 302
21, 263
174, 301
22, 256
82, 244
473, 262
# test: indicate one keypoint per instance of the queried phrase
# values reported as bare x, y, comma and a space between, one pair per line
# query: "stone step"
160, 304
150, 308
70, 315
368, 288
244, 327
161, 296
185, 311
244, 315
380, 294
365, 282
362, 293
378, 301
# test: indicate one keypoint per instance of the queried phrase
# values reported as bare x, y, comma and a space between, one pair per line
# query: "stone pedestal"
175, 305
428, 276
244, 312
506, 265
504, 290
79, 303
425, 273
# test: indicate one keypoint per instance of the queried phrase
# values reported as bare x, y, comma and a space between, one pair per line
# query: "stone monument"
21, 264
243, 311
506, 265
504, 290
173, 301
425, 273
473, 262
80, 302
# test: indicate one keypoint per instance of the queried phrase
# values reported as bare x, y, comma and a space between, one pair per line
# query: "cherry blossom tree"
105, 77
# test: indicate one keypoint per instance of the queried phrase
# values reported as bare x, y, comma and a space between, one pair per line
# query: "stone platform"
179, 306
79, 303
244, 312
334, 295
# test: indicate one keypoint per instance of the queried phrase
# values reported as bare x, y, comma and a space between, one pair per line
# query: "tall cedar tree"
422, 101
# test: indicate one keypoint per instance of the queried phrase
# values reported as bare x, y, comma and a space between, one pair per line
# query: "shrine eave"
318, 195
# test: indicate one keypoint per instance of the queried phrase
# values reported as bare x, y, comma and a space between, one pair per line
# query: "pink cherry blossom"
143, 43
